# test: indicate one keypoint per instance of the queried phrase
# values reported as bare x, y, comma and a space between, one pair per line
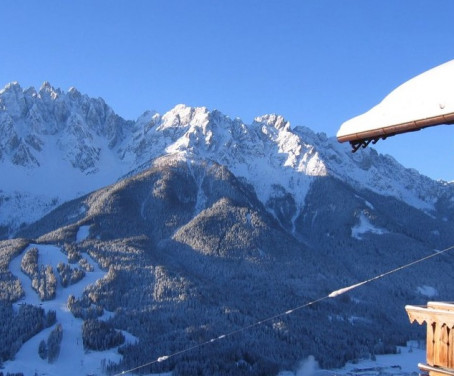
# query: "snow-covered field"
73, 359
405, 363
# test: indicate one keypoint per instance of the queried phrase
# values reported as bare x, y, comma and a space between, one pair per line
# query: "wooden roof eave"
362, 139
429, 315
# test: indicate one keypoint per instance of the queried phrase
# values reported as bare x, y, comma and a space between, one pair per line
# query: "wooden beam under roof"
362, 139
424, 101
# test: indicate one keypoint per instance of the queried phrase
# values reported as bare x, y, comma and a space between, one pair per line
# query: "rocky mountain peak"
12, 100
87, 145
47, 91
51, 127
74, 93
13, 86
273, 120
182, 116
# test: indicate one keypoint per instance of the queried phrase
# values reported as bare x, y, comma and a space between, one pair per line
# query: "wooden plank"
442, 348
439, 317
394, 129
438, 373
436, 346
451, 348
423, 314
430, 344
435, 371
446, 306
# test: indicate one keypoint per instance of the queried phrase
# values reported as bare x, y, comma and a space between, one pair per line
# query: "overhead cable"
331, 295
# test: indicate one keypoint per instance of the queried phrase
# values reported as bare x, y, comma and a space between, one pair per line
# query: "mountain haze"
205, 225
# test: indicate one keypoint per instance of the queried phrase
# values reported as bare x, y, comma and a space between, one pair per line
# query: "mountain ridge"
51, 134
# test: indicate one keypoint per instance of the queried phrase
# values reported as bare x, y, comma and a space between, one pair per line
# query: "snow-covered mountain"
196, 225
56, 145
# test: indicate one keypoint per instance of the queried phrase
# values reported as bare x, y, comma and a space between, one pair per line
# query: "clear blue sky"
316, 62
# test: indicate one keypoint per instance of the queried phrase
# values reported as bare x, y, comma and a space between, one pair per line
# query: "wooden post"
439, 317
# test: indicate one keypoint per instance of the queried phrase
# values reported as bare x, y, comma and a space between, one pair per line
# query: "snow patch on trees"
428, 291
365, 226
82, 233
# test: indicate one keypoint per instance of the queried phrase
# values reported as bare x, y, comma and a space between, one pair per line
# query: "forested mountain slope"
191, 254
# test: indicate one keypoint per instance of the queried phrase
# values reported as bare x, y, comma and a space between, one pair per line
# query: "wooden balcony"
439, 317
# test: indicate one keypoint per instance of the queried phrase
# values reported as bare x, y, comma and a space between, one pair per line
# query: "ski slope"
73, 359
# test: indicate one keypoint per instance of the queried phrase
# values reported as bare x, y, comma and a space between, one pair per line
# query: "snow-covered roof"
424, 101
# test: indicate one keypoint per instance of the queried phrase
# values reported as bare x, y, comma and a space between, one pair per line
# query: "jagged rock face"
67, 144
29, 117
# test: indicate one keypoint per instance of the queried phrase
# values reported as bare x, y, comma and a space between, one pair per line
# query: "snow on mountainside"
55, 146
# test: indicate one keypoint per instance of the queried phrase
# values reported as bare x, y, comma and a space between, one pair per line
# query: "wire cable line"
331, 295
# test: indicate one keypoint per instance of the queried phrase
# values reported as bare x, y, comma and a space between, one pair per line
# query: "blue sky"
316, 62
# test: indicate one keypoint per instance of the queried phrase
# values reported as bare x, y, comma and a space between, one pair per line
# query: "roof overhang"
424, 101
438, 312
